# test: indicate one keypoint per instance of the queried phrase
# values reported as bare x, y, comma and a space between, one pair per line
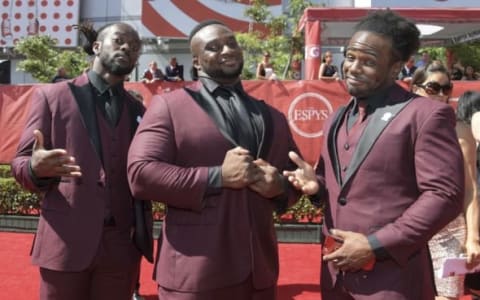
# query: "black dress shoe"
137, 296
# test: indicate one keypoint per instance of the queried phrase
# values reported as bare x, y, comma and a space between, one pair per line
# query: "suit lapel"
86, 105
205, 100
332, 144
261, 117
376, 125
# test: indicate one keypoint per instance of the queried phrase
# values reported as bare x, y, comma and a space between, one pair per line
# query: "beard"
114, 67
224, 74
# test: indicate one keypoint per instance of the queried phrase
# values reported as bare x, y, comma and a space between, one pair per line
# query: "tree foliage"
466, 54
283, 41
43, 58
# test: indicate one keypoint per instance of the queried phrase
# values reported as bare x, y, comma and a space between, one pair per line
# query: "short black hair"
404, 34
202, 25
468, 104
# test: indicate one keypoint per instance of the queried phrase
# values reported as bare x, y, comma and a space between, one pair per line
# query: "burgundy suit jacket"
404, 183
211, 241
72, 209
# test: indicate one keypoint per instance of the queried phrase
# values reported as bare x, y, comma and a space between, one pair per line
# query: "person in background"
470, 73
195, 68
153, 73
390, 172
424, 61
327, 70
468, 111
61, 75
220, 181
174, 71
456, 73
73, 151
408, 69
265, 69
461, 236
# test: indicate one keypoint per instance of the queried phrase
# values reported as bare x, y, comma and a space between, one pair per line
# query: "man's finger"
38, 136
337, 233
240, 150
297, 160
260, 162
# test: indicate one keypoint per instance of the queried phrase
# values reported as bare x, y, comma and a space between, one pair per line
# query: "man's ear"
96, 47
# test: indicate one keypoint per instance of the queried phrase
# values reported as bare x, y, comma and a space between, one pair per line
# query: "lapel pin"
139, 118
387, 116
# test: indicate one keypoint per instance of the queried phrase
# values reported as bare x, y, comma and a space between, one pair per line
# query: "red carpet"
299, 271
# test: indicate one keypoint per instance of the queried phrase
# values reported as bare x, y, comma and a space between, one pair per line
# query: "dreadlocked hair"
90, 34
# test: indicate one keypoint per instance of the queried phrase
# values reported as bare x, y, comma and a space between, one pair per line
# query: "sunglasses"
434, 88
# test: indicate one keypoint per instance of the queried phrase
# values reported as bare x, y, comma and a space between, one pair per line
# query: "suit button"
346, 146
342, 201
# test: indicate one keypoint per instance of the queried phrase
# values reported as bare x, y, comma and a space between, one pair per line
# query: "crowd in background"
425, 77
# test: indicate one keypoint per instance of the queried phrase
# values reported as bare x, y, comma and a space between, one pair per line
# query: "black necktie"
112, 108
239, 120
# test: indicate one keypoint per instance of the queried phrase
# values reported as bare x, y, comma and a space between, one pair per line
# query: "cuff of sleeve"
318, 198
214, 186
377, 247
41, 182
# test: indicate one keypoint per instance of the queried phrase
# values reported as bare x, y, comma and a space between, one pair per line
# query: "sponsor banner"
312, 52
312, 49
305, 104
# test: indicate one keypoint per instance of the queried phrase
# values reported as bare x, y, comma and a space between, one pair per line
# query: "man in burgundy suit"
211, 153
390, 173
74, 152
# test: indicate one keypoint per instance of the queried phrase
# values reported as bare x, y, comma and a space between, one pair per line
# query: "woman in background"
265, 68
469, 109
462, 234
327, 70
470, 73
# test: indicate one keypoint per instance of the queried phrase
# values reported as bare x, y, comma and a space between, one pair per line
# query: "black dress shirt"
221, 95
104, 94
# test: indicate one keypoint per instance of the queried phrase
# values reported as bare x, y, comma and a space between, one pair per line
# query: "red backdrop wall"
305, 103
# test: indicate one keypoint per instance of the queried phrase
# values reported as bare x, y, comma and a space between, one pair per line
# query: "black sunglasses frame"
434, 88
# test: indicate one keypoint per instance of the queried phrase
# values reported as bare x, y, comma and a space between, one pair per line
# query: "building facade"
163, 24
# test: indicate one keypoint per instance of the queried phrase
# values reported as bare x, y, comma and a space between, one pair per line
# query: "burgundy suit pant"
112, 275
242, 291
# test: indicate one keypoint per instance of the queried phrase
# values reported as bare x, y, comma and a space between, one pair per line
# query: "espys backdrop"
306, 104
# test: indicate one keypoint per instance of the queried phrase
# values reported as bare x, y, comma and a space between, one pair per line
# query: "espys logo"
312, 51
307, 112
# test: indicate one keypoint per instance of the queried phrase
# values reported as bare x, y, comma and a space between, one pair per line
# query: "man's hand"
304, 177
238, 169
472, 250
354, 253
52, 163
270, 185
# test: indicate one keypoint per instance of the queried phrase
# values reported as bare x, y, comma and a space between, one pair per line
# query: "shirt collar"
373, 102
100, 84
212, 85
